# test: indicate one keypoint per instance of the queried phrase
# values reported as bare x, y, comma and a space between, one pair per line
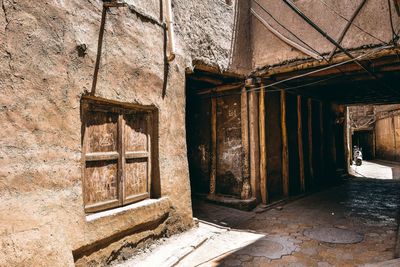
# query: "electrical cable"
374, 51
330, 39
283, 26
318, 53
347, 27
325, 68
284, 38
395, 37
355, 25
279, 23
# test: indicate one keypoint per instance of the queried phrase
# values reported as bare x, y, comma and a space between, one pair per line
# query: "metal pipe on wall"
170, 29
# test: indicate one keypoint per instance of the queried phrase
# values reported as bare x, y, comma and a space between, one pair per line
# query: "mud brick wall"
387, 138
229, 146
270, 50
48, 51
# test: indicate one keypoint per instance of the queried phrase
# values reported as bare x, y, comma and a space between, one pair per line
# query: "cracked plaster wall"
42, 79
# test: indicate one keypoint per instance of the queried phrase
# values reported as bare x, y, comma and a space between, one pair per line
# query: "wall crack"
9, 56
3, 7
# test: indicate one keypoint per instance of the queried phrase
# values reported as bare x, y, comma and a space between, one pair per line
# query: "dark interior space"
316, 143
229, 180
292, 124
365, 141
306, 142
274, 145
199, 99
324, 97
339, 143
198, 136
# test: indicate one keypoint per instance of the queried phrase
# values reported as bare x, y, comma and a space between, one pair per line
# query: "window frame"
121, 156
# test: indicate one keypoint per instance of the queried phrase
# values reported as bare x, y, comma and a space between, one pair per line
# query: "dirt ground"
366, 209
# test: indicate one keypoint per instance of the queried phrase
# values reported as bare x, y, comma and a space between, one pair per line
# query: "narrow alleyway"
353, 224
362, 210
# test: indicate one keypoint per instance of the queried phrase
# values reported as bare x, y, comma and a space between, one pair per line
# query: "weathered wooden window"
116, 155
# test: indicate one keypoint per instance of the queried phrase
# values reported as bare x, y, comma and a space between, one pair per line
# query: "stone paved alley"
362, 212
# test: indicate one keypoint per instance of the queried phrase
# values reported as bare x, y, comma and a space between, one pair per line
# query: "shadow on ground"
363, 207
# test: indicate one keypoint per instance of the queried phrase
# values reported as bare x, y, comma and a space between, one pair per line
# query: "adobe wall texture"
42, 80
384, 121
269, 49
387, 132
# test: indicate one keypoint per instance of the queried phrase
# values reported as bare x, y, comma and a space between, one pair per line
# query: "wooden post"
322, 147
246, 190
254, 145
333, 131
310, 140
333, 148
263, 152
394, 139
213, 172
346, 132
300, 143
285, 150
374, 143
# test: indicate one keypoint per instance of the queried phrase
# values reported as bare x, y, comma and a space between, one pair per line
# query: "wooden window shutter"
116, 156
137, 169
100, 151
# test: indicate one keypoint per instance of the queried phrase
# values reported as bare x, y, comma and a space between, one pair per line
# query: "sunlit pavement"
352, 224
378, 169
364, 207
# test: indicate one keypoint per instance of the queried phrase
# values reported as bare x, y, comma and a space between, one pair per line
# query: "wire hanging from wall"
319, 56
395, 36
363, 56
354, 24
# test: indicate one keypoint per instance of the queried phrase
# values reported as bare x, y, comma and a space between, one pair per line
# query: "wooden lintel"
207, 79
113, 103
310, 64
285, 149
221, 88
